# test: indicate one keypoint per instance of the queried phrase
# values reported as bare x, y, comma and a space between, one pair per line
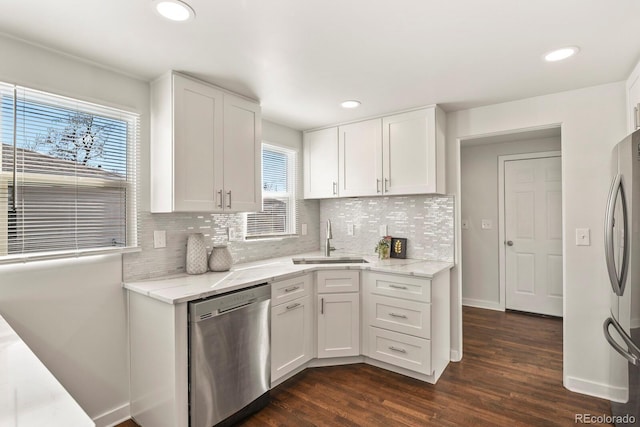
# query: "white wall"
593, 120
73, 313
480, 248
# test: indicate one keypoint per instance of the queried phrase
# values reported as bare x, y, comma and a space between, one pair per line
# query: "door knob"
509, 242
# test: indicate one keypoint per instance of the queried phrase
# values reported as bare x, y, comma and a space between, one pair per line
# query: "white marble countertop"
182, 288
30, 396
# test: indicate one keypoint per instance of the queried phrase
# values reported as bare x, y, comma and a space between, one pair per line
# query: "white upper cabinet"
393, 155
633, 99
413, 152
242, 155
205, 148
360, 159
321, 164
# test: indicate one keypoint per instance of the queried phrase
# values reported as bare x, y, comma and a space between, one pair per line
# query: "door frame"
502, 255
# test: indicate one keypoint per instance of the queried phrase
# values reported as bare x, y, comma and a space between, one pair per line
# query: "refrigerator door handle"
618, 282
631, 347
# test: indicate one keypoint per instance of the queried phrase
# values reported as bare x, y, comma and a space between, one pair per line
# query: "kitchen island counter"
30, 396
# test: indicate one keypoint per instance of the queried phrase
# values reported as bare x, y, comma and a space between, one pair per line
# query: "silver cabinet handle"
229, 194
378, 185
386, 185
509, 242
401, 316
617, 279
631, 347
220, 199
398, 287
335, 188
292, 288
292, 306
399, 350
322, 306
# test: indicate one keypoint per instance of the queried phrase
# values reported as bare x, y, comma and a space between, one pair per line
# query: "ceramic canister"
220, 258
196, 254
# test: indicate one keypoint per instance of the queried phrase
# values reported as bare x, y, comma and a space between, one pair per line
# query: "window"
278, 216
67, 176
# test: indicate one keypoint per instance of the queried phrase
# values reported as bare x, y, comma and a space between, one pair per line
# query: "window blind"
278, 215
68, 176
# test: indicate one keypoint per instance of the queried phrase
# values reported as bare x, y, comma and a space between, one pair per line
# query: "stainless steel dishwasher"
229, 356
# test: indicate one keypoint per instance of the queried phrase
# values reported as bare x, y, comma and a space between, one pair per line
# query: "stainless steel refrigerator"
622, 251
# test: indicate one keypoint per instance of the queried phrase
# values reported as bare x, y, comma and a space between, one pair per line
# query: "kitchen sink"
330, 260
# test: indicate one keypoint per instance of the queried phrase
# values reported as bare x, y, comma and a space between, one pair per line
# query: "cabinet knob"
509, 242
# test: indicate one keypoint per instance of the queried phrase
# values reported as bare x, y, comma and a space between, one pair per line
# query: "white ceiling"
300, 58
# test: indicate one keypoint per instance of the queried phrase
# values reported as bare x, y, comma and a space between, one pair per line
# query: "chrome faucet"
328, 248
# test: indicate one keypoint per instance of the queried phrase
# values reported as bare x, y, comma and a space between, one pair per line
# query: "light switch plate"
487, 224
350, 229
303, 229
382, 230
583, 237
159, 239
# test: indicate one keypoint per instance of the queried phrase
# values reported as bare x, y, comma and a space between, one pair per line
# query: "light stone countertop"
183, 288
30, 396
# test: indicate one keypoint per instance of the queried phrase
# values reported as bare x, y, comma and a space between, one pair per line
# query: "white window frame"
290, 195
131, 183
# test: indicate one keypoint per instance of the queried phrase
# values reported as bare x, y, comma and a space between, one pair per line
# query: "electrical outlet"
487, 224
159, 239
303, 229
382, 230
350, 229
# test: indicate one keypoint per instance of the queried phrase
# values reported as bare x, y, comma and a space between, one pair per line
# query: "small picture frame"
398, 247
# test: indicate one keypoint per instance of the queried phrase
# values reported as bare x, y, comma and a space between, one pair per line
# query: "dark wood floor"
510, 375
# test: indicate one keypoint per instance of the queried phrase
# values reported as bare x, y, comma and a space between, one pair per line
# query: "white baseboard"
113, 417
479, 303
455, 356
590, 388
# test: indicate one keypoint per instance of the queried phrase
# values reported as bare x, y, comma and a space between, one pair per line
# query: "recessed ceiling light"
560, 54
350, 104
175, 10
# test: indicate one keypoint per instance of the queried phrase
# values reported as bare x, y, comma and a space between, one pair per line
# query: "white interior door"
533, 235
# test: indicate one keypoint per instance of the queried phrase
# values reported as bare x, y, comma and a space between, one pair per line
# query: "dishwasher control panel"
220, 304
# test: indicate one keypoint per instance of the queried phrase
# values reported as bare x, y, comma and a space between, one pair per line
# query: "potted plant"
383, 247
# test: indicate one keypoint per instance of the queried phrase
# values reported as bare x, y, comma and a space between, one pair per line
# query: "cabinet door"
360, 159
338, 325
241, 157
409, 152
197, 142
633, 99
291, 336
321, 164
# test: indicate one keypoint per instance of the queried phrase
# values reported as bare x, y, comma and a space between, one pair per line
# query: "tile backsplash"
151, 262
426, 221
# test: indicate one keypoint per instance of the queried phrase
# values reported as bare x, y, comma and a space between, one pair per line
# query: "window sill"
42, 256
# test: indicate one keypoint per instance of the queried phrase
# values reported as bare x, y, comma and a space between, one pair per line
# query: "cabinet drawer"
398, 286
289, 289
407, 317
400, 350
335, 281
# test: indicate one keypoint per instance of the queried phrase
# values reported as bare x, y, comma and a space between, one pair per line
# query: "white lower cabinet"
406, 321
401, 350
338, 325
338, 307
292, 334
